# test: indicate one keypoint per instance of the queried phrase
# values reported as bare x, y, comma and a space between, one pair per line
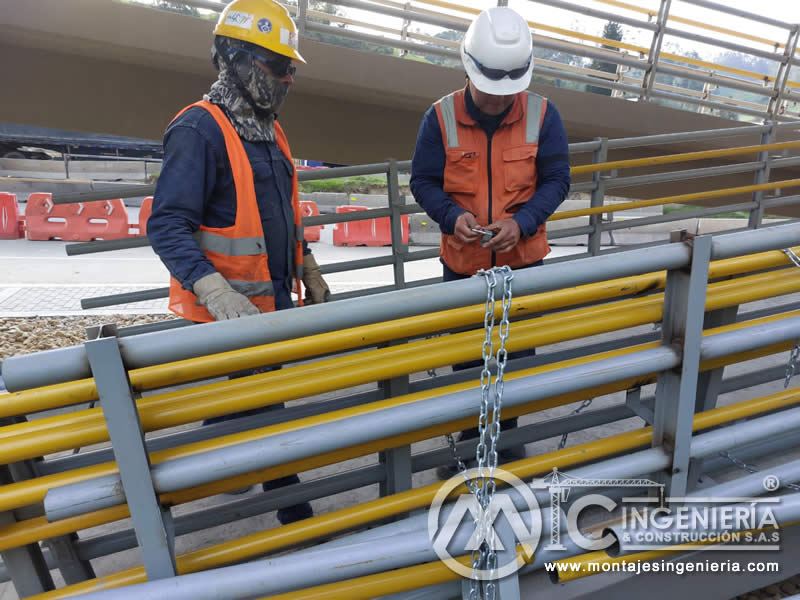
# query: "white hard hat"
497, 52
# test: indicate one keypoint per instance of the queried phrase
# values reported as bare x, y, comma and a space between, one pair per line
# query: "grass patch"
358, 184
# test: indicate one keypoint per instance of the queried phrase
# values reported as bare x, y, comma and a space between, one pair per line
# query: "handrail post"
152, 523
682, 327
762, 176
649, 78
775, 103
26, 565
302, 11
396, 201
598, 197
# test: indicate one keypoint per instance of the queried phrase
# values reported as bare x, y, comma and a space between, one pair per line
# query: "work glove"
317, 290
222, 301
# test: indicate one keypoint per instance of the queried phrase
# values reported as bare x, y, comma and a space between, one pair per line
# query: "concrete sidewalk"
39, 279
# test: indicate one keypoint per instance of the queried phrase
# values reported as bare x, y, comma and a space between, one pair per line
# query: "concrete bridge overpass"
96, 65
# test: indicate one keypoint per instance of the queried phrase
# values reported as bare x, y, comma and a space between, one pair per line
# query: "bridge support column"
682, 325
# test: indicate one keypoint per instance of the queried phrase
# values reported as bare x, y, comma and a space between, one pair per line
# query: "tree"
178, 7
612, 31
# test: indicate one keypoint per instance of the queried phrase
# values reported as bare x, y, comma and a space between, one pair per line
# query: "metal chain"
751, 469
585, 404
486, 453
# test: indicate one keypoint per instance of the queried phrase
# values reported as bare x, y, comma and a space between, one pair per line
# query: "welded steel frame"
598, 196
650, 73
152, 523
782, 77
682, 325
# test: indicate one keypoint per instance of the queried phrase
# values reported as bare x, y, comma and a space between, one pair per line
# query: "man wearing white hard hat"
492, 157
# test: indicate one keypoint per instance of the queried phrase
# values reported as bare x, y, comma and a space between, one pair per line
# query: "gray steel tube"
319, 566
67, 364
656, 93
758, 336
98, 301
741, 13
214, 465
752, 484
105, 245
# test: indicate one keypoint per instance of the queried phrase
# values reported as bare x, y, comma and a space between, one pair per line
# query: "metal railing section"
607, 176
778, 89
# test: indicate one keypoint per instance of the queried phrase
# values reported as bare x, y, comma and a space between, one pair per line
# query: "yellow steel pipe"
28, 440
390, 582
381, 508
31, 491
679, 199
44, 398
668, 159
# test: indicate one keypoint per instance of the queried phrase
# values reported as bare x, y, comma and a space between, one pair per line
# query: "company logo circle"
466, 537
264, 25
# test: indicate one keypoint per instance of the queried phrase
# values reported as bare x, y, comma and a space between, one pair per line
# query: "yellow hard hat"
261, 22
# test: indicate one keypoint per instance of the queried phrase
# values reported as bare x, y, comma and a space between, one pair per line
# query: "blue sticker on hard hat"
264, 25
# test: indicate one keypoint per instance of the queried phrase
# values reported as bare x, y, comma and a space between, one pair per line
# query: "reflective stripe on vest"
229, 246
252, 288
532, 126
449, 118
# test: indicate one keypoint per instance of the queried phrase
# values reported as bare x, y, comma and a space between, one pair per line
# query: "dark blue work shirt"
196, 188
552, 168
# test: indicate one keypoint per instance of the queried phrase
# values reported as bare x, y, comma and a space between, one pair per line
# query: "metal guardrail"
777, 89
355, 425
606, 177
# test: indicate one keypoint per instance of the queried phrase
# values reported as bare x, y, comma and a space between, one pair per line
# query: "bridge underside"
99, 66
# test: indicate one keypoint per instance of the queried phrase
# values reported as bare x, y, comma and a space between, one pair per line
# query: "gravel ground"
24, 335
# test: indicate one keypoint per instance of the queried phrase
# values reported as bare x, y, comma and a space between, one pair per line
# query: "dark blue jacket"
196, 188
552, 166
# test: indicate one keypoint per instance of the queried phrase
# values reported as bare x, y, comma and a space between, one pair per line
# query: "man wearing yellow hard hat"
226, 216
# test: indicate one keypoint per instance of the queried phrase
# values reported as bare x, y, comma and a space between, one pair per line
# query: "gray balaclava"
251, 96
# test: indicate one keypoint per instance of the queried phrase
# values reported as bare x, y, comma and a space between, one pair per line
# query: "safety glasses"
498, 74
278, 65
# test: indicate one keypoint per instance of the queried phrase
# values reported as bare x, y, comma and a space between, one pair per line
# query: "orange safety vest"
239, 252
467, 177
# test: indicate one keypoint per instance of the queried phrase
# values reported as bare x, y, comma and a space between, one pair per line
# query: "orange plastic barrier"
12, 225
370, 232
144, 214
309, 209
80, 222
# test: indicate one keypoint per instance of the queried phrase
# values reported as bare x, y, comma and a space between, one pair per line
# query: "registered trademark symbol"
771, 483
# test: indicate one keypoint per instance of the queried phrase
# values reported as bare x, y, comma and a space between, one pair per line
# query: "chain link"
751, 469
585, 404
483, 486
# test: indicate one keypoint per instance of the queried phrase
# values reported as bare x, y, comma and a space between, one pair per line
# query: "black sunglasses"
278, 66
498, 74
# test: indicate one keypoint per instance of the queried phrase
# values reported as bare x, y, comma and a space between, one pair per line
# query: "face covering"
253, 121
